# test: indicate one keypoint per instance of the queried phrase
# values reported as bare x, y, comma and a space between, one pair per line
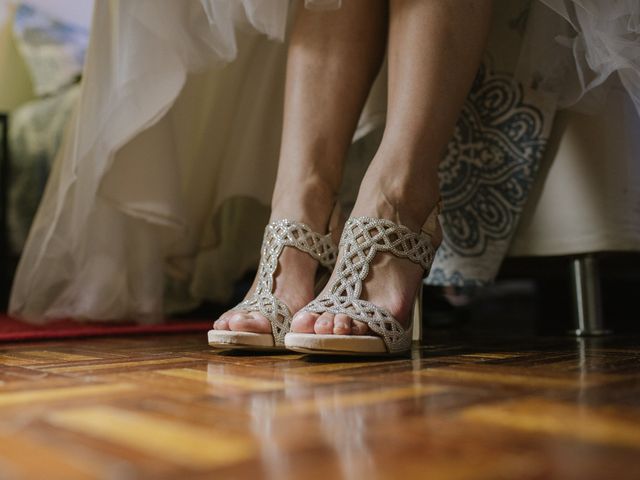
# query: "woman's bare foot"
294, 279
392, 282
293, 284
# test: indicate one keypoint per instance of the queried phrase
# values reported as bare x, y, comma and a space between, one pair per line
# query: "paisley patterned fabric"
485, 177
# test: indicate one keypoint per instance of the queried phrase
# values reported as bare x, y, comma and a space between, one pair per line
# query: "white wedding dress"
161, 189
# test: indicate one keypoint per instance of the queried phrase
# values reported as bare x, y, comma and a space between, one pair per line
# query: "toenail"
323, 322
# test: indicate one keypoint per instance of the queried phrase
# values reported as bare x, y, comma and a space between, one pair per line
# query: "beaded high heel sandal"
277, 235
362, 239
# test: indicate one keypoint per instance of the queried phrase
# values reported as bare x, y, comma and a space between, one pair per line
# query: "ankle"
407, 204
309, 200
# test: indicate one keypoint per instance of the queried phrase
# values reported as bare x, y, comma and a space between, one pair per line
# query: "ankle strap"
289, 233
363, 237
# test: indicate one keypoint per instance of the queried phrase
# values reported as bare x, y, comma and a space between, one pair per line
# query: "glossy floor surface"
170, 407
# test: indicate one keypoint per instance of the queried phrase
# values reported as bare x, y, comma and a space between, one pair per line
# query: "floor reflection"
299, 404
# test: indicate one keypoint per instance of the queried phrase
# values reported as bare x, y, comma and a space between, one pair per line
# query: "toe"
360, 328
249, 322
303, 322
324, 324
342, 325
222, 323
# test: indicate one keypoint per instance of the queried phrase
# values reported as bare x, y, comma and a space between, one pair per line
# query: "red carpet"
13, 329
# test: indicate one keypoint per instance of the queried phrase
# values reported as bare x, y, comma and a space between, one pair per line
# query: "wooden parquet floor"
170, 407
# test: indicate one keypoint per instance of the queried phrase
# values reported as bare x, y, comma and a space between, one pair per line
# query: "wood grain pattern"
170, 407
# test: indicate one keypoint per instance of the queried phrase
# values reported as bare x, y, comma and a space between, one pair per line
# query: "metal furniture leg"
587, 299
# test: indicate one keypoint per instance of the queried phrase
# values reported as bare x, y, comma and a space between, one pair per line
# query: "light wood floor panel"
170, 407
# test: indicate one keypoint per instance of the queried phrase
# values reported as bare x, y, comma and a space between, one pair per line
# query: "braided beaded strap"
362, 239
277, 235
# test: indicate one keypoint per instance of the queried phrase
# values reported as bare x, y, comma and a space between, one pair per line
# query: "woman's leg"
333, 59
435, 47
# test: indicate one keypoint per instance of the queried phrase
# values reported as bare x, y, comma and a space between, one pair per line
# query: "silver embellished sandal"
277, 235
362, 239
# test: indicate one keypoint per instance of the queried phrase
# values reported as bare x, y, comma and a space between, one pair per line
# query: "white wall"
15, 83
72, 11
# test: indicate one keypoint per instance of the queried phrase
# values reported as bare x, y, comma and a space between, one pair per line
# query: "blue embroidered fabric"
485, 178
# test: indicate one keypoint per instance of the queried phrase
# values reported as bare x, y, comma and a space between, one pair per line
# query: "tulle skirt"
573, 47
160, 192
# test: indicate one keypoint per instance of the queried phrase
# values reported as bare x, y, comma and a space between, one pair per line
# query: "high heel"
277, 235
416, 321
362, 239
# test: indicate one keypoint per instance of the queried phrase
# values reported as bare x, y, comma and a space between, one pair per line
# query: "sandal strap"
273, 309
299, 235
362, 239
379, 320
277, 235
